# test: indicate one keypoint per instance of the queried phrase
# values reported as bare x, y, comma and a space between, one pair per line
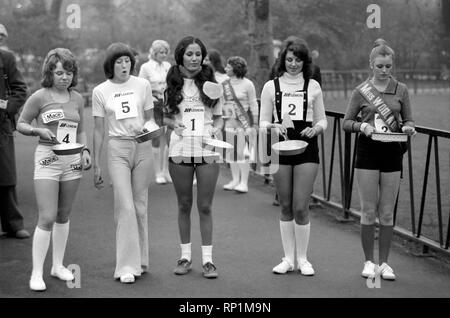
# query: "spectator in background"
155, 71
214, 59
13, 93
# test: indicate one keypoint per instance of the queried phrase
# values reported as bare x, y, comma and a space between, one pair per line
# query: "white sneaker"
241, 188
62, 273
127, 278
168, 178
369, 269
386, 272
283, 267
160, 180
230, 185
37, 283
306, 268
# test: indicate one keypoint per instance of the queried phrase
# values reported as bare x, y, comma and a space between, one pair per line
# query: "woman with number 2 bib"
380, 100
58, 111
294, 99
125, 103
193, 115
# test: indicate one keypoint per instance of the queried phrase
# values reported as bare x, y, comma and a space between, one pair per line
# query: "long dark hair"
175, 82
300, 50
216, 61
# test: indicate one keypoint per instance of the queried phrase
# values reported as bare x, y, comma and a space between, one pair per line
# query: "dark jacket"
14, 90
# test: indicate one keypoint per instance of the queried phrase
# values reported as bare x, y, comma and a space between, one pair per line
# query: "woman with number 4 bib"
295, 98
383, 104
58, 111
193, 115
125, 103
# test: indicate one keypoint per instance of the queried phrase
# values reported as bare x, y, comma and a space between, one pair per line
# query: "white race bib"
292, 104
52, 115
125, 105
67, 131
194, 120
380, 125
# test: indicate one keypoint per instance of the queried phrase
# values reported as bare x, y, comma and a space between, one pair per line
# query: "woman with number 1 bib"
295, 100
58, 111
125, 102
193, 115
382, 101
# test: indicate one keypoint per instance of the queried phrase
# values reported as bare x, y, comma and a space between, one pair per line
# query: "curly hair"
239, 66
175, 79
300, 50
68, 62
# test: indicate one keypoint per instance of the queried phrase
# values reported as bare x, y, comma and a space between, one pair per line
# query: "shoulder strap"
276, 82
305, 99
373, 97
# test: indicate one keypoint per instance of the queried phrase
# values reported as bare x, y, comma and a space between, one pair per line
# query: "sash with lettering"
241, 114
373, 97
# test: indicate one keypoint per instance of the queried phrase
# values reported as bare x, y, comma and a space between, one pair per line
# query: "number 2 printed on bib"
125, 106
292, 104
380, 125
67, 131
193, 120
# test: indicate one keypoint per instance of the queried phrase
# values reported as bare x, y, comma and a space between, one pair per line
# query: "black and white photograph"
223, 157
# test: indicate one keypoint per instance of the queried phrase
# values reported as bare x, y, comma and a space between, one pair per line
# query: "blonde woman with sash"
295, 95
239, 97
383, 104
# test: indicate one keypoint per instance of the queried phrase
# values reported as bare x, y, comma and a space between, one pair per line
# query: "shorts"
49, 166
158, 113
378, 155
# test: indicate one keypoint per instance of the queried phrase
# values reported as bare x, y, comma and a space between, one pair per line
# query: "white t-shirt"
156, 74
197, 118
123, 105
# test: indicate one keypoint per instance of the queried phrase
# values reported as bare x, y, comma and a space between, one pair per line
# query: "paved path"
247, 245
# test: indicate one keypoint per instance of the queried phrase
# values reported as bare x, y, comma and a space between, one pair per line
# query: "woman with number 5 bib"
58, 111
294, 100
193, 115
384, 106
125, 103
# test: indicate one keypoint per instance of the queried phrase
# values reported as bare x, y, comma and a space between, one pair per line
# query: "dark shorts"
378, 155
158, 112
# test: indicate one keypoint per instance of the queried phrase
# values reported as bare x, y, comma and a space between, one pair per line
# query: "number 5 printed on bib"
292, 104
67, 131
193, 120
125, 106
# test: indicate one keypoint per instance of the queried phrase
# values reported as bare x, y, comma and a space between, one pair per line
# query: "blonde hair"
158, 46
380, 48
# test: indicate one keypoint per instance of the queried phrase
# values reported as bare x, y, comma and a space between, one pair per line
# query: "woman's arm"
99, 132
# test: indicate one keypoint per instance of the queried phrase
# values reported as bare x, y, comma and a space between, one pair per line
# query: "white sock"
157, 161
302, 241
206, 254
288, 240
59, 236
244, 169
41, 242
186, 251
234, 167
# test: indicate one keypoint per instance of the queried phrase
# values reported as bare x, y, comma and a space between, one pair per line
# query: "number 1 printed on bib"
193, 120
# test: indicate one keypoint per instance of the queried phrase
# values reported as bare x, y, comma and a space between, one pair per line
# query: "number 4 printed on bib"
67, 131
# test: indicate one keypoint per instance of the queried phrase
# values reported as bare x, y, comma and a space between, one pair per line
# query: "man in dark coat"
13, 93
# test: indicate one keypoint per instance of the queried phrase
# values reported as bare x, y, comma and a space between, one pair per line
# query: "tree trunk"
260, 38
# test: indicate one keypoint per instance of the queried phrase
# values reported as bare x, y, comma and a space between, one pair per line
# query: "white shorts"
47, 165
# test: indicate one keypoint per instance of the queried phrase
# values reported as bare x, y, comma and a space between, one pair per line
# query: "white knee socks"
59, 236
206, 254
234, 167
244, 168
157, 162
41, 242
302, 241
288, 240
186, 251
